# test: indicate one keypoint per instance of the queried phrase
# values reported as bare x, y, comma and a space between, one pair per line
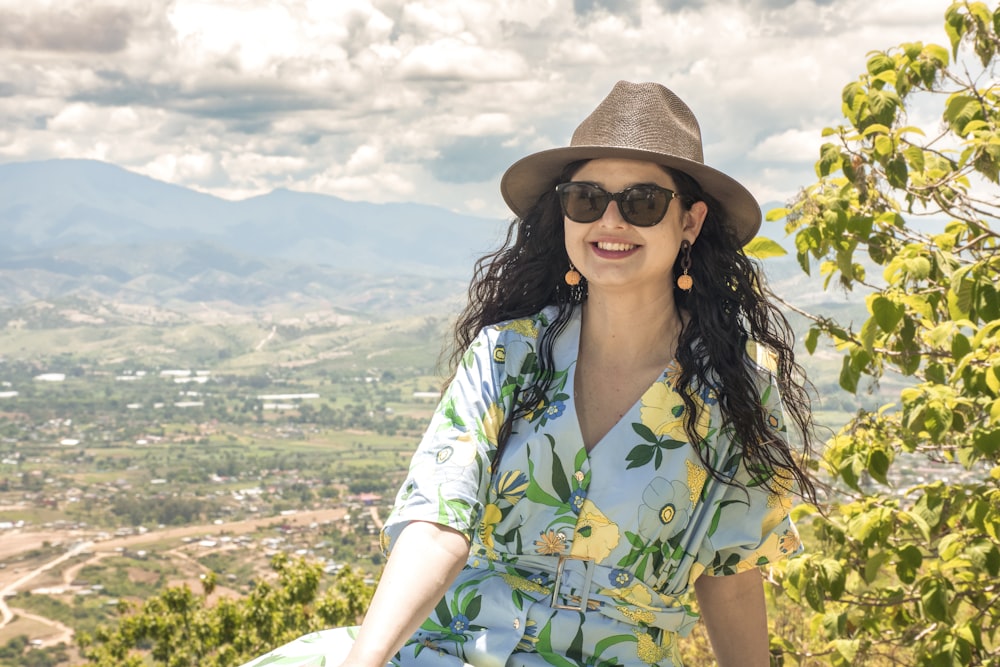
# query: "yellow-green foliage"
179, 628
910, 576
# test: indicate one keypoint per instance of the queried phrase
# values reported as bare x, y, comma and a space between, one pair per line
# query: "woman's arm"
736, 618
424, 561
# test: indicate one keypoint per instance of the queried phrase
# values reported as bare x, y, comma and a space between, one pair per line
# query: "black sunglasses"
641, 205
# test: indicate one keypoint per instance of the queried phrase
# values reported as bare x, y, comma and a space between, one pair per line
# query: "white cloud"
458, 59
370, 98
789, 146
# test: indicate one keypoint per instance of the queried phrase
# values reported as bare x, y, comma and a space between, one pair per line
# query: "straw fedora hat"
640, 121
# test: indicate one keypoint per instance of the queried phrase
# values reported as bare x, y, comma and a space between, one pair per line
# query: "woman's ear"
693, 219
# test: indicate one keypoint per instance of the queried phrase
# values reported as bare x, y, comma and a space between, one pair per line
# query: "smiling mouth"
615, 247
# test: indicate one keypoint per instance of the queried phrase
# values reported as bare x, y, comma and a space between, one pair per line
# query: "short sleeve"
450, 470
754, 527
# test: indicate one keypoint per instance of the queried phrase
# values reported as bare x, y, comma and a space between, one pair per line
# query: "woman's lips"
613, 249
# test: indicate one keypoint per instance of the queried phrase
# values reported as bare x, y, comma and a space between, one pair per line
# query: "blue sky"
396, 100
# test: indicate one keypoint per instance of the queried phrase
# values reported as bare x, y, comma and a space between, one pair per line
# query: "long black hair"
728, 306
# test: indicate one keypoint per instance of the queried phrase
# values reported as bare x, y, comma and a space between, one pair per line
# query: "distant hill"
89, 230
81, 227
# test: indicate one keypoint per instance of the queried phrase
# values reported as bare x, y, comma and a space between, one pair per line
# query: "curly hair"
728, 306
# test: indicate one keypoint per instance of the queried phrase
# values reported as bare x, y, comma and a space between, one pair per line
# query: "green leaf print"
640, 456
530, 364
544, 646
443, 613
608, 642
452, 511
645, 432
759, 475
472, 609
452, 414
559, 482
575, 648
718, 514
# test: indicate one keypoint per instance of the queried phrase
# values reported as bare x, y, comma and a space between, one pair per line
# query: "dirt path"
62, 634
6, 615
12, 581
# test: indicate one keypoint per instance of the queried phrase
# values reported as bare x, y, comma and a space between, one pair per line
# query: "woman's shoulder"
525, 328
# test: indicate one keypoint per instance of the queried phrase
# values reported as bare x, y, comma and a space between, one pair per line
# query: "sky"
422, 101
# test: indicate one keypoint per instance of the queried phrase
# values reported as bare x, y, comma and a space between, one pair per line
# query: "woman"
612, 436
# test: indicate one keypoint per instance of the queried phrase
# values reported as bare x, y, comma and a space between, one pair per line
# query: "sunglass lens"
644, 206
583, 202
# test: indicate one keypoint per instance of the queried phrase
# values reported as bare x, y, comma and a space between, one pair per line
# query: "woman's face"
614, 255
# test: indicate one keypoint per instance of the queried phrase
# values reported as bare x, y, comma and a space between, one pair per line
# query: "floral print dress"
577, 558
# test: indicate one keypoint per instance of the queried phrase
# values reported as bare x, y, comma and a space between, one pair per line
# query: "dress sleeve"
754, 527
450, 470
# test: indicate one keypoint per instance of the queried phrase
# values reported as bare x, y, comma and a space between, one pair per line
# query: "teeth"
615, 247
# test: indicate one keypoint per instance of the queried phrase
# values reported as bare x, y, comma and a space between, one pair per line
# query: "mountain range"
92, 232
84, 228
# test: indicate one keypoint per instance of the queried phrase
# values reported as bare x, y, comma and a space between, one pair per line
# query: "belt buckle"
588, 575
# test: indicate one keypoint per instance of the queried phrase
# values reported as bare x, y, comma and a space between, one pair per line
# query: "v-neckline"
571, 382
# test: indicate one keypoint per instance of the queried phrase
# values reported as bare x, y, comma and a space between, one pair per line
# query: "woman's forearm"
424, 561
735, 615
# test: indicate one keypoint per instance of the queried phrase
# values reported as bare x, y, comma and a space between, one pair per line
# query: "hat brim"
530, 177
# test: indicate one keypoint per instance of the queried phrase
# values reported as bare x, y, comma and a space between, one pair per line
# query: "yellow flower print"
510, 486
596, 535
524, 327
650, 653
522, 584
663, 412
550, 543
696, 480
637, 616
789, 542
673, 373
499, 354
383, 542
637, 595
491, 423
781, 483
491, 516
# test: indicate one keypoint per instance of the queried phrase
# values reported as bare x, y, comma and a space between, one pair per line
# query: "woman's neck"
632, 331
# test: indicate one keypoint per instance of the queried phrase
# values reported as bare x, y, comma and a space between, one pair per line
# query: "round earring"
685, 281
572, 276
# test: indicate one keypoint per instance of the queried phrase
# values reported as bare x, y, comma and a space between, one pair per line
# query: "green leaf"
762, 248
776, 214
875, 128
873, 566
914, 157
897, 172
937, 53
829, 160
883, 146
883, 104
848, 376
811, 339
934, 600
954, 27
961, 110
910, 560
878, 465
887, 313
880, 62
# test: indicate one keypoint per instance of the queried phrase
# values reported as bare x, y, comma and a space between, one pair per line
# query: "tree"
178, 628
910, 575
